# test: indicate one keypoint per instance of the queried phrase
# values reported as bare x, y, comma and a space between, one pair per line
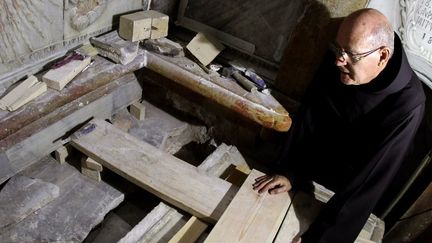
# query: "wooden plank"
30, 94
172, 179
302, 212
251, 217
39, 138
157, 226
17, 92
59, 77
300, 215
163, 224
190, 232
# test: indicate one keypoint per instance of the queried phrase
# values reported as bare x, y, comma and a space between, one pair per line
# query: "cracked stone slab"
81, 205
22, 196
165, 131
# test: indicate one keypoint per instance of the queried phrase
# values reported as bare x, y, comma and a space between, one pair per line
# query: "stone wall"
33, 33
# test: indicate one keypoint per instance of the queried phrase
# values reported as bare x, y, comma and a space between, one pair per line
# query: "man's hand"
297, 239
273, 184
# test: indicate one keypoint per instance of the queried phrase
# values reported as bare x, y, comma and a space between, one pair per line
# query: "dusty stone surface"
112, 46
22, 196
166, 132
81, 205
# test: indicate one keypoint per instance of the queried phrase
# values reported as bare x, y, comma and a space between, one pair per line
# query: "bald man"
354, 127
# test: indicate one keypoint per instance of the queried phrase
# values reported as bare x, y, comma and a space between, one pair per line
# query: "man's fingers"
257, 186
261, 179
268, 186
278, 190
297, 239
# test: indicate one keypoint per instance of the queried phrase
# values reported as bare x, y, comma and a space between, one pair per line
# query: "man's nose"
340, 61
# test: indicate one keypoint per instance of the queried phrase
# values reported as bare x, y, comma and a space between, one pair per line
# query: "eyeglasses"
355, 57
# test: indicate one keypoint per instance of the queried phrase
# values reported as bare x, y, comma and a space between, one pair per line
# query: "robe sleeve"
345, 214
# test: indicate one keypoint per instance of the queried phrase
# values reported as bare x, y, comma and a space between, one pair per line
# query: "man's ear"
384, 56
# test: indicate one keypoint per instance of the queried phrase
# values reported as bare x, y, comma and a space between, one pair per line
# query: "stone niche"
34, 33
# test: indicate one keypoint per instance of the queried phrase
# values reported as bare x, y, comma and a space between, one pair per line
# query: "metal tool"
242, 80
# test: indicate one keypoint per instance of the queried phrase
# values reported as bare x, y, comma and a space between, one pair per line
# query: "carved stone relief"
23, 27
416, 34
416, 29
85, 12
83, 17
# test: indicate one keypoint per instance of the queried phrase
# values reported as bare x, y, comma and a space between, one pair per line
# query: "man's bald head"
366, 41
368, 27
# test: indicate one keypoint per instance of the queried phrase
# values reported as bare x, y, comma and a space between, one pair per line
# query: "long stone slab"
41, 137
164, 175
22, 196
81, 205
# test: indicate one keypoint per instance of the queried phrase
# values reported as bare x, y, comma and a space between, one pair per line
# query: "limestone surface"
22, 196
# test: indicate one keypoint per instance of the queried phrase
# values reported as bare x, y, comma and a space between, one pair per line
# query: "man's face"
357, 61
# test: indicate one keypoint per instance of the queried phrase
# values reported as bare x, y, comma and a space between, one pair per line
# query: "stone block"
135, 26
91, 164
164, 46
138, 110
61, 154
159, 26
92, 174
112, 46
204, 48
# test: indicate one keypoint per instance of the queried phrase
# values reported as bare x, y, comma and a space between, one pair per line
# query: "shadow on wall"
305, 50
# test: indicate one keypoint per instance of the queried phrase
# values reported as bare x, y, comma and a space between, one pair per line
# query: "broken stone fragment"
112, 46
164, 46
